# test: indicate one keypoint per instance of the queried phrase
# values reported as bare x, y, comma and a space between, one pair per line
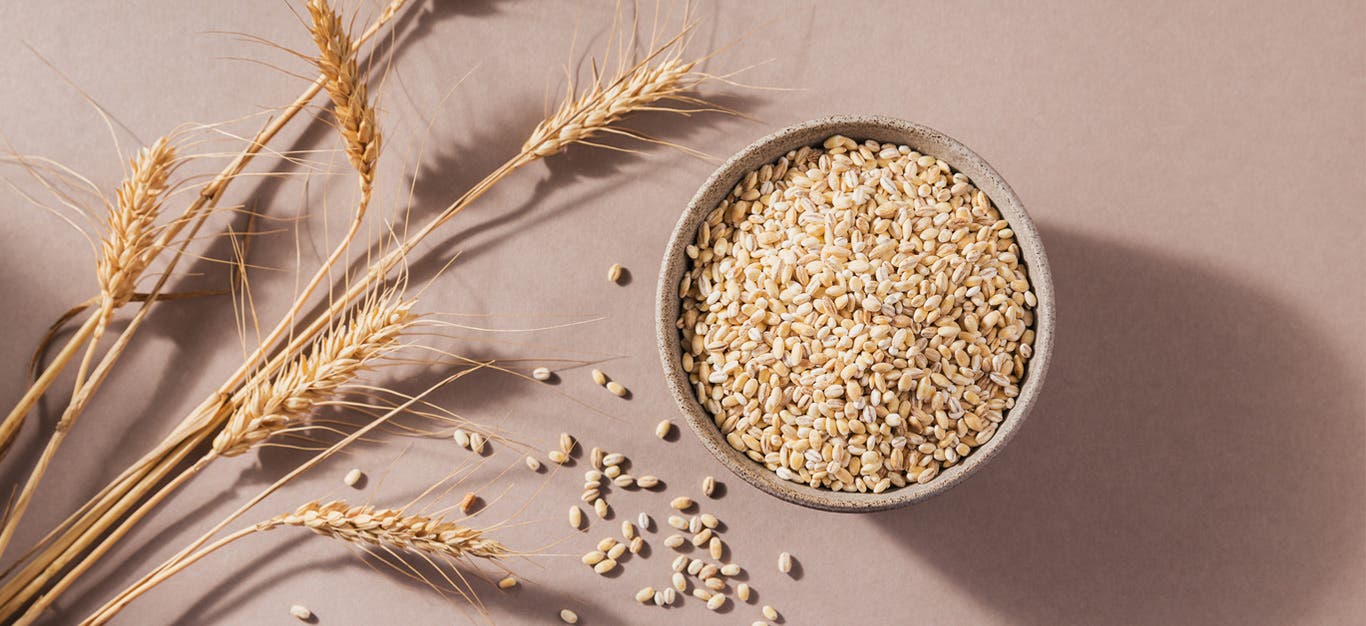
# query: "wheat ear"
360, 525
127, 248
290, 397
350, 103
131, 242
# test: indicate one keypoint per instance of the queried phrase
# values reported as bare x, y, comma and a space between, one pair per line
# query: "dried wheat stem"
655, 79
193, 217
112, 608
127, 249
361, 525
84, 528
353, 343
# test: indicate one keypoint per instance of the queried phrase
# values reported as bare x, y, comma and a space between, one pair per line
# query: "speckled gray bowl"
769, 149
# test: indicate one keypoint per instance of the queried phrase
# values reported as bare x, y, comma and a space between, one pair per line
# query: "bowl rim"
768, 149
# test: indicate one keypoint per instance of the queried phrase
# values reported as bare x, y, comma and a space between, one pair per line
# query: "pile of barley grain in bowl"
856, 316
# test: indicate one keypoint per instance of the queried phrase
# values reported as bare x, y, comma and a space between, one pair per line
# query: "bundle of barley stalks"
312, 356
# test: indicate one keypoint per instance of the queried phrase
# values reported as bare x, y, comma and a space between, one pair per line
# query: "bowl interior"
769, 149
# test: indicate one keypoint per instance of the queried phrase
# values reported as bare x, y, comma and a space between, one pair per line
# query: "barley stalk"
361, 525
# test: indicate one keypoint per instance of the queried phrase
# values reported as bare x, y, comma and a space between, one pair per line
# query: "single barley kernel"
647, 482
596, 457
590, 495
594, 557
660, 598
716, 602
606, 543
730, 570
714, 583
617, 551
575, 517
353, 477
785, 562
709, 520
695, 524
605, 565
532, 464
541, 373
624, 481
600, 507
644, 521
708, 571
467, 503
708, 486
645, 594
599, 377
616, 388
569, 617
508, 582
678, 522
695, 566
301, 612
663, 429
674, 541
701, 593
477, 443
681, 563
742, 592
670, 596
680, 581
770, 613
637, 544
461, 438
628, 530
682, 503
759, 623
592, 475
612, 471
701, 538
558, 456
615, 458
614, 273
566, 443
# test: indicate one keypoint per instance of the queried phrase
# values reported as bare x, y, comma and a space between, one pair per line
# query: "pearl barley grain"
569, 617
541, 373
663, 429
785, 563
614, 273
880, 309
301, 612
353, 477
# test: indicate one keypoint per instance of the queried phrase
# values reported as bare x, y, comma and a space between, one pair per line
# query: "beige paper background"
1196, 170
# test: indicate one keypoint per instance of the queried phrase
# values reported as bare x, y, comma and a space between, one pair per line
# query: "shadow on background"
1196, 457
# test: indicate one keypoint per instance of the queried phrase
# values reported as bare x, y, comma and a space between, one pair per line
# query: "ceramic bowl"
813, 133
